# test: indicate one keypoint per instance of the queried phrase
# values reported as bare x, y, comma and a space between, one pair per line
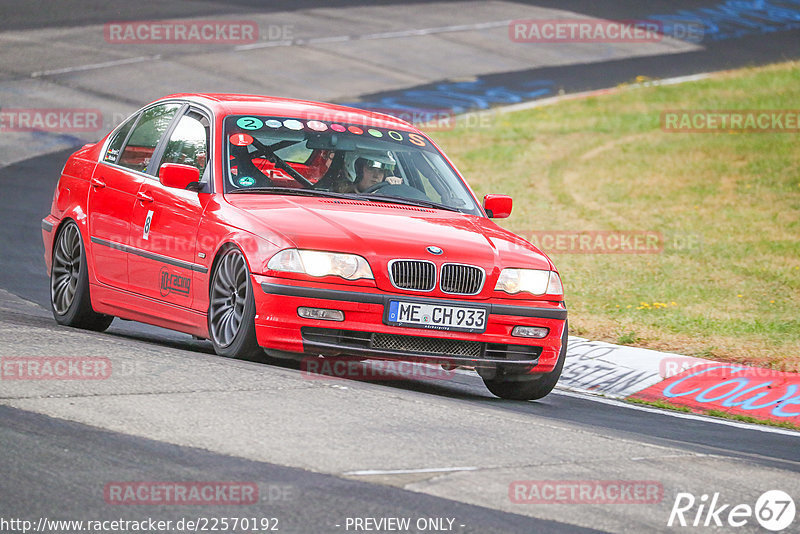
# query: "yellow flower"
673, 303
740, 296
772, 302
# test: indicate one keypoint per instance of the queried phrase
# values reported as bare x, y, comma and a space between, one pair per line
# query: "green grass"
727, 282
628, 338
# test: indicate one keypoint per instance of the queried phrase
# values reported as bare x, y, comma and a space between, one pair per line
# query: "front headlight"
533, 281
316, 263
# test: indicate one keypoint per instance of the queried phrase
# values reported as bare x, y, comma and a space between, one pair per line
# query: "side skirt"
127, 305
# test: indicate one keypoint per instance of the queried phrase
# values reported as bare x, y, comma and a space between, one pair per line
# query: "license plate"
436, 316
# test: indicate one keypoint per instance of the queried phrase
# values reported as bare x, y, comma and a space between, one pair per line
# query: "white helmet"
378, 160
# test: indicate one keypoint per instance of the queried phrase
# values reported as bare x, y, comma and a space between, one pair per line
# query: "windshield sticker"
247, 181
249, 123
293, 124
416, 139
241, 139
317, 126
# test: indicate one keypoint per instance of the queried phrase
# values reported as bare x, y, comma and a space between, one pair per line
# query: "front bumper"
364, 333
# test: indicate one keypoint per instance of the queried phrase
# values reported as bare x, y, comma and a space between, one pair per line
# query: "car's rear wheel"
69, 283
232, 308
529, 387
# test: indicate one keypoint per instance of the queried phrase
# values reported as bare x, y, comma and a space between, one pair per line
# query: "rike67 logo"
774, 510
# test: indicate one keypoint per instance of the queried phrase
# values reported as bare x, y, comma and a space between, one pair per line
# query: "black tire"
524, 387
232, 309
69, 283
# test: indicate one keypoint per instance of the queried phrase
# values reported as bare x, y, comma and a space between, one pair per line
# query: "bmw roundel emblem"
434, 250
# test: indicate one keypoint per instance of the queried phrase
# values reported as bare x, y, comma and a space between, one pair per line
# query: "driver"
370, 172
366, 171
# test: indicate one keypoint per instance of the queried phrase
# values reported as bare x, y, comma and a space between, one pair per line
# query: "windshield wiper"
409, 202
348, 196
291, 191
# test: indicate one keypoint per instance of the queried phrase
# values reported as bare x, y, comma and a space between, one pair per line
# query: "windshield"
331, 157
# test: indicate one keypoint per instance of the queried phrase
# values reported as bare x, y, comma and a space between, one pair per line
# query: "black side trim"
316, 293
151, 256
47, 226
374, 298
525, 311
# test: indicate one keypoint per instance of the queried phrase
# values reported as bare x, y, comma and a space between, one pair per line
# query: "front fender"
256, 249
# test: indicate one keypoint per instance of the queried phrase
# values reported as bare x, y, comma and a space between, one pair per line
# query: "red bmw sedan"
300, 228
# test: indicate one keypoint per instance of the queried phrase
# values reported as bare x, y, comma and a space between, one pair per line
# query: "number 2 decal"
249, 123
147, 221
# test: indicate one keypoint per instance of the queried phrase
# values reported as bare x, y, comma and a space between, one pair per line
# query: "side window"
427, 179
145, 136
112, 152
428, 173
421, 175
188, 143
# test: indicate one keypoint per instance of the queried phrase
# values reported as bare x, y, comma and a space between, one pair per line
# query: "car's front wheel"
232, 308
529, 387
69, 283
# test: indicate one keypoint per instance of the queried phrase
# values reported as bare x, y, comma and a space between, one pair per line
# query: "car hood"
381, 232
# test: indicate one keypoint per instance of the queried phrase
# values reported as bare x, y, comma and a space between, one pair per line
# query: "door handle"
97, 182
143, 197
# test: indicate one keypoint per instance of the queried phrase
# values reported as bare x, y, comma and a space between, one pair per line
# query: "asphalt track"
302, 501
352, 449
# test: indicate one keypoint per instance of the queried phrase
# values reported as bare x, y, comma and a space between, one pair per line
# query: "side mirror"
178, 175
497, 206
